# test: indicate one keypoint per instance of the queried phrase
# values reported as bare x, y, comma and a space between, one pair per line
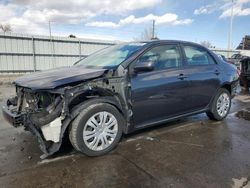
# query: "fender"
109, 99
73, 114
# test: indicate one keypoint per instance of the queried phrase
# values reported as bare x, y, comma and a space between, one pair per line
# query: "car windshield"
235, 56
112, 56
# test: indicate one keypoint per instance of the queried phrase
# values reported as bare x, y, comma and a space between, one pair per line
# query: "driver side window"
163, 57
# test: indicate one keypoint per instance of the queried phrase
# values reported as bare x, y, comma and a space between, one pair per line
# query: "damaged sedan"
118, 90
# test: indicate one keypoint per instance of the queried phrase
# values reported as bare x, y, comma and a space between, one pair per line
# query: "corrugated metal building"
26, 53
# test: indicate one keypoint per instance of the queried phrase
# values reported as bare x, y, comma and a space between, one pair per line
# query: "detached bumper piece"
10, 113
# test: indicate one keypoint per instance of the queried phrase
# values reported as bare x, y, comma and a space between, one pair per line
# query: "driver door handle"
182, 77
217, 72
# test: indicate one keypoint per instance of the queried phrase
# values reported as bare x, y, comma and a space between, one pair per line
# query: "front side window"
163, 57
197, 56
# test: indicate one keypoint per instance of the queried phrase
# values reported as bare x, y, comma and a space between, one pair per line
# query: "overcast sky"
191, 20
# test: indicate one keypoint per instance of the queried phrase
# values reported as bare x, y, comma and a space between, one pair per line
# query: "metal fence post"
33, 54
80, 50
5, 48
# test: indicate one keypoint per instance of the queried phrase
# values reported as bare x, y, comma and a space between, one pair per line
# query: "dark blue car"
121, 89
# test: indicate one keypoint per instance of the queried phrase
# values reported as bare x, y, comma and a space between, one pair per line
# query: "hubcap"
223, 104
100, 131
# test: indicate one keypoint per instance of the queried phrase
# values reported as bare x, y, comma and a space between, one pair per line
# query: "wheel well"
83, 100
227, 87
91, 95
75, 110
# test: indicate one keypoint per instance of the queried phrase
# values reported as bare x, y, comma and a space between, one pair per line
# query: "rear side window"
164, 57
197, 56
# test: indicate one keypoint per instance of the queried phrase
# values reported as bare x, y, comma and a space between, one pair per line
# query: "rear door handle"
182, 77
217, 72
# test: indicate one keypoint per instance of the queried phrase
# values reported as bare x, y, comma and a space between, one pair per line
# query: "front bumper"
28, 111
10, 114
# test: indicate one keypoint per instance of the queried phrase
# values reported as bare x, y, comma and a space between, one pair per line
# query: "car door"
161, 93
203, 73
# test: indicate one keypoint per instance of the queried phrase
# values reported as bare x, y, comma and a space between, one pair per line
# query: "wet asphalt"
192, 152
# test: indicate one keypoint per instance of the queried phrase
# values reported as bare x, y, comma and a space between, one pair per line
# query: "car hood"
54, 78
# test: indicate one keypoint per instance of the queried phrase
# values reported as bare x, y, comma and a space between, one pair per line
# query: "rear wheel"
220, 106
97, 129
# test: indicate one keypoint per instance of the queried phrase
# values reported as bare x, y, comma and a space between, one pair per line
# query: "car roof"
152, 42
149, 43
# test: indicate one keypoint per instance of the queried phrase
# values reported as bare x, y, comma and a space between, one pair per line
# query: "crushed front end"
41, 113
48, 113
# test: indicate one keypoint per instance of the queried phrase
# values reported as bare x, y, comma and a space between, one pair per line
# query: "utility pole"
243, 45
231, 28
49, 30
153, 30
51, 46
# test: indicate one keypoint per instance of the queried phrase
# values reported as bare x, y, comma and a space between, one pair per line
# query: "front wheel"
220, 106
97, 129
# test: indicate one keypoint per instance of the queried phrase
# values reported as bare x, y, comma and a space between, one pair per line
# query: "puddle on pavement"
244, 114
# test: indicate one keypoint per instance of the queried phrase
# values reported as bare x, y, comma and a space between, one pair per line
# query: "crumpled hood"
53, 78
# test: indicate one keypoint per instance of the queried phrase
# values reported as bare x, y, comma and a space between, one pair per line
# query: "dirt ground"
192, 152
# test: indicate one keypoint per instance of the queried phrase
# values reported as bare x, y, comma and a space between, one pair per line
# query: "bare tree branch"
147, 34
5, 28
207, 44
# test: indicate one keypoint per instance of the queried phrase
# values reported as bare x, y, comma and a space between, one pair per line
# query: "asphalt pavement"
191, 152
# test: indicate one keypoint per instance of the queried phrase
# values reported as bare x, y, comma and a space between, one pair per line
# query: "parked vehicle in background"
121, 89
235, 59
222, 57
245, 72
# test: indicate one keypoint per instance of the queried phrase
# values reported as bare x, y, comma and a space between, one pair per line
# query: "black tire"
77, 127
213, 112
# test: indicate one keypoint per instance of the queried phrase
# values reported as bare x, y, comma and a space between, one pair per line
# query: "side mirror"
146, 66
